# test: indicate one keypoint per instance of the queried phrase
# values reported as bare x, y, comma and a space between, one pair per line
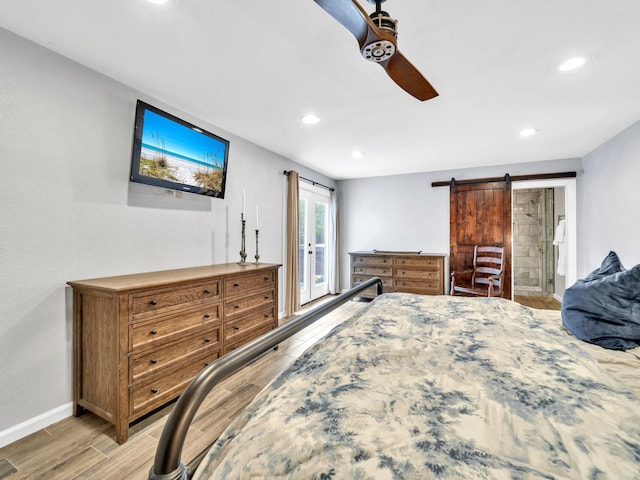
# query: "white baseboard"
32, 425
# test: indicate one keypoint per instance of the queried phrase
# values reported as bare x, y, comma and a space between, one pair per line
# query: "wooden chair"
487, 274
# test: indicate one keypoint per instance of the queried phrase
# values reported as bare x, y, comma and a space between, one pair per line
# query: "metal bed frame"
168, 464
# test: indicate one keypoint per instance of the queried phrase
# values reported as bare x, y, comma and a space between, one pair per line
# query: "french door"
313, 245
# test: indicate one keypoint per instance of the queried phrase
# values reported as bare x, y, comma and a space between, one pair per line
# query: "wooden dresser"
139, 339
399, 271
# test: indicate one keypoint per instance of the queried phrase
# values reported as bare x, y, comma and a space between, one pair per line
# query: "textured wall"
611, 207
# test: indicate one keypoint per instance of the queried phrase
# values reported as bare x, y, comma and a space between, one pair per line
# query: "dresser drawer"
421, 262
417, 274
159, 330
160, 300
372, 271
372, 261
150, 362
387, 282
244, 326
241, 285
148, 395
422, 287
234, 343
242, 305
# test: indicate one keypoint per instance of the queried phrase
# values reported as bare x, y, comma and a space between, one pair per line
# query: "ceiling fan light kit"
376, 35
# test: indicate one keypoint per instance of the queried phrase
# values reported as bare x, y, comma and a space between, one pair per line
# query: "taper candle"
243, 201
257, 223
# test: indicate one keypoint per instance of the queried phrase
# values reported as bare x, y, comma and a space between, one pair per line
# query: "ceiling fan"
376, 35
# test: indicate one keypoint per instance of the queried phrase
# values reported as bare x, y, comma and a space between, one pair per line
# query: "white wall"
611, 201
68, 212
404, 212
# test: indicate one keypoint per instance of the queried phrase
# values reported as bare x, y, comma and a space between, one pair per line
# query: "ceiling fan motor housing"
384, 21
381, 50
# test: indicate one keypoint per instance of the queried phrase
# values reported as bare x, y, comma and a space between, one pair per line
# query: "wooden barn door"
480, 215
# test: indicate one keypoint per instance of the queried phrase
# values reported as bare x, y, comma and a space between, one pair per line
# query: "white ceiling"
255, 67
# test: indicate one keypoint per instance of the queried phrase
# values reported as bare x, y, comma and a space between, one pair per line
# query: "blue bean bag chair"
604, 307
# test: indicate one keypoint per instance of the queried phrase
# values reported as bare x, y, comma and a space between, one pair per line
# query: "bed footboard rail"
168, 464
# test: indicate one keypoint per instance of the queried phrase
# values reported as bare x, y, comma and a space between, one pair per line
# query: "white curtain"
334, 244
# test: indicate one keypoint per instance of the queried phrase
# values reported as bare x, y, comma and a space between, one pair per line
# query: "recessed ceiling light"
158, 2
527, 132
572, 64
356, 154
310, 119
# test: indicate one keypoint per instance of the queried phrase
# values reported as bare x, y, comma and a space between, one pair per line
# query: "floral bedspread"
437, 387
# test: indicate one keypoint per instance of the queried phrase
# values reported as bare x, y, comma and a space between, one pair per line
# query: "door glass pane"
321, 243
302, 226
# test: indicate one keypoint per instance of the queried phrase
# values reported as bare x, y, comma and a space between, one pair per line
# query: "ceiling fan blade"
350, 14
409, 77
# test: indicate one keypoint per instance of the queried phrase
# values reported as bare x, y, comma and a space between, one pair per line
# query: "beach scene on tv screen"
176, 153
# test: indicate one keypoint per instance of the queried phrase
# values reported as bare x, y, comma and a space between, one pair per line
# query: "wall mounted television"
172, 153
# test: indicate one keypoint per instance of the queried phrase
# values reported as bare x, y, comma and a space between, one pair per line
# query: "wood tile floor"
84, 447
545, 303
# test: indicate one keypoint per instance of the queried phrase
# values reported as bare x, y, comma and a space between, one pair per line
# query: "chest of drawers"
399, 271
139, 339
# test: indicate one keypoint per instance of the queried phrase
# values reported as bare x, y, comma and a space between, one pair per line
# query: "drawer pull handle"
206, 315
236, 306
153, 332
154, 361
153, 302
236, 285
266, 315
266, 279
207, 340
154, 390
207, 292
206, 364
266, 297
236, 328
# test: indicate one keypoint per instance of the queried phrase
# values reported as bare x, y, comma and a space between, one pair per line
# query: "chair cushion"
604, 307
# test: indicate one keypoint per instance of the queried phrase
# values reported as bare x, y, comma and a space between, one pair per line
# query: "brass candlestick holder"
257, 262
243, 252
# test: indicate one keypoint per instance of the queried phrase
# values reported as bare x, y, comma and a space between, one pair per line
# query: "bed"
430, 387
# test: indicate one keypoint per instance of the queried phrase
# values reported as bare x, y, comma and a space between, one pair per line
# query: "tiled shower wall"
531, 241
